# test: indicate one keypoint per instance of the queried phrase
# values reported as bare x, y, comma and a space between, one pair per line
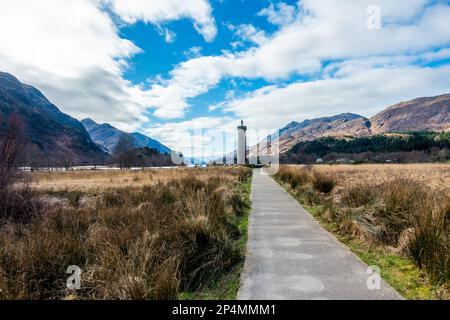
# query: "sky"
183, 71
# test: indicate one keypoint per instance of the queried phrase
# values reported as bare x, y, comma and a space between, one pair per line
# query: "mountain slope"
108, 136
342, 125
421, 114
53, 136
105, 135
144, 141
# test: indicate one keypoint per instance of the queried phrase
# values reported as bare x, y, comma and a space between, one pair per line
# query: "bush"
18, 203
430, 246
402, 201
323, 183
358, 195
294, 177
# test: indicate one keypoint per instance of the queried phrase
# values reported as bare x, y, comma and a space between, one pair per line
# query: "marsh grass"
136, 242
322, 182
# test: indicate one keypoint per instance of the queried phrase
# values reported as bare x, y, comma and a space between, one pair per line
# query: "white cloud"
203, 136
248, 33
324, 30
360, 89
193, 52
279, 14
72, 50
157, 12
169, 35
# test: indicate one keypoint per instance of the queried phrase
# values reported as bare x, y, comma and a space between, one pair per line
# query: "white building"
242, 144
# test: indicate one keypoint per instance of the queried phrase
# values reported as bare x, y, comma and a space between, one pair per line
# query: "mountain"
346, 124
422, 114
144, 141
52, 137
107, 136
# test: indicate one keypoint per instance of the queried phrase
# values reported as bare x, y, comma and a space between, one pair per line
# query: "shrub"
323, 183
430, 246
361, 194
294, 177
402, 200
18, 203
238, 203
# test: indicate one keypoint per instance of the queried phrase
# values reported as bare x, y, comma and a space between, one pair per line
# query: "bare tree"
10, 147
34, 157
67, 162
124, 153
16, 196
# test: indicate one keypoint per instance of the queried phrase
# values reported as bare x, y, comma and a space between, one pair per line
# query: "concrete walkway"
291, 257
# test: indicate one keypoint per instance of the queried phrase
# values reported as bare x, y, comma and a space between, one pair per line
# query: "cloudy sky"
164, 67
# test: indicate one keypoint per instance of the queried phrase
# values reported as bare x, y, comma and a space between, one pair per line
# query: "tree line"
127, 155
399, 147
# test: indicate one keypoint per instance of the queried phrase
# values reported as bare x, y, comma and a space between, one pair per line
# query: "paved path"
291, 257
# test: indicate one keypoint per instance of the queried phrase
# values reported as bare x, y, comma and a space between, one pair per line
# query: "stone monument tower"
242, 144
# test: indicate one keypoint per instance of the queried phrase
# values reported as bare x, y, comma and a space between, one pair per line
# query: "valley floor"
148, 234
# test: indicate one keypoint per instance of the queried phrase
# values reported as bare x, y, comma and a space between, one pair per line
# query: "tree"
67, 162
16, 196
125, 153
10, 148
32, 156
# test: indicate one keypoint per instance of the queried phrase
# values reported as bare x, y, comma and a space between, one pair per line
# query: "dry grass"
146, 241
433, 175
99, 180
403, 209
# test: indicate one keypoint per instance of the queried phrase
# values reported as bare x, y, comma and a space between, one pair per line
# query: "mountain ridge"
419, 114
51, 136
107, 136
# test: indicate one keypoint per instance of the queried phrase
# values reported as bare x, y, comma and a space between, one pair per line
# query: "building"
242, 144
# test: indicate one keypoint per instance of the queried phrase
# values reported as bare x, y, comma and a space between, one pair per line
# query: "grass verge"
226, 286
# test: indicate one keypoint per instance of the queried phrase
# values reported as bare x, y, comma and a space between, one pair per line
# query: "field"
153, 234
433, 175
98, 180
393, 216
181, 233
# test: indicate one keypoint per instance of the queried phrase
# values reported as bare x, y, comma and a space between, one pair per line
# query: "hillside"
423, 146
421, 114
108, 136
51, 136
342, 125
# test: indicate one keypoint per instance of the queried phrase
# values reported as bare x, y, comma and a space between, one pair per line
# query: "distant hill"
144, 141
421, 114
342, 125
52, 137
107, 136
